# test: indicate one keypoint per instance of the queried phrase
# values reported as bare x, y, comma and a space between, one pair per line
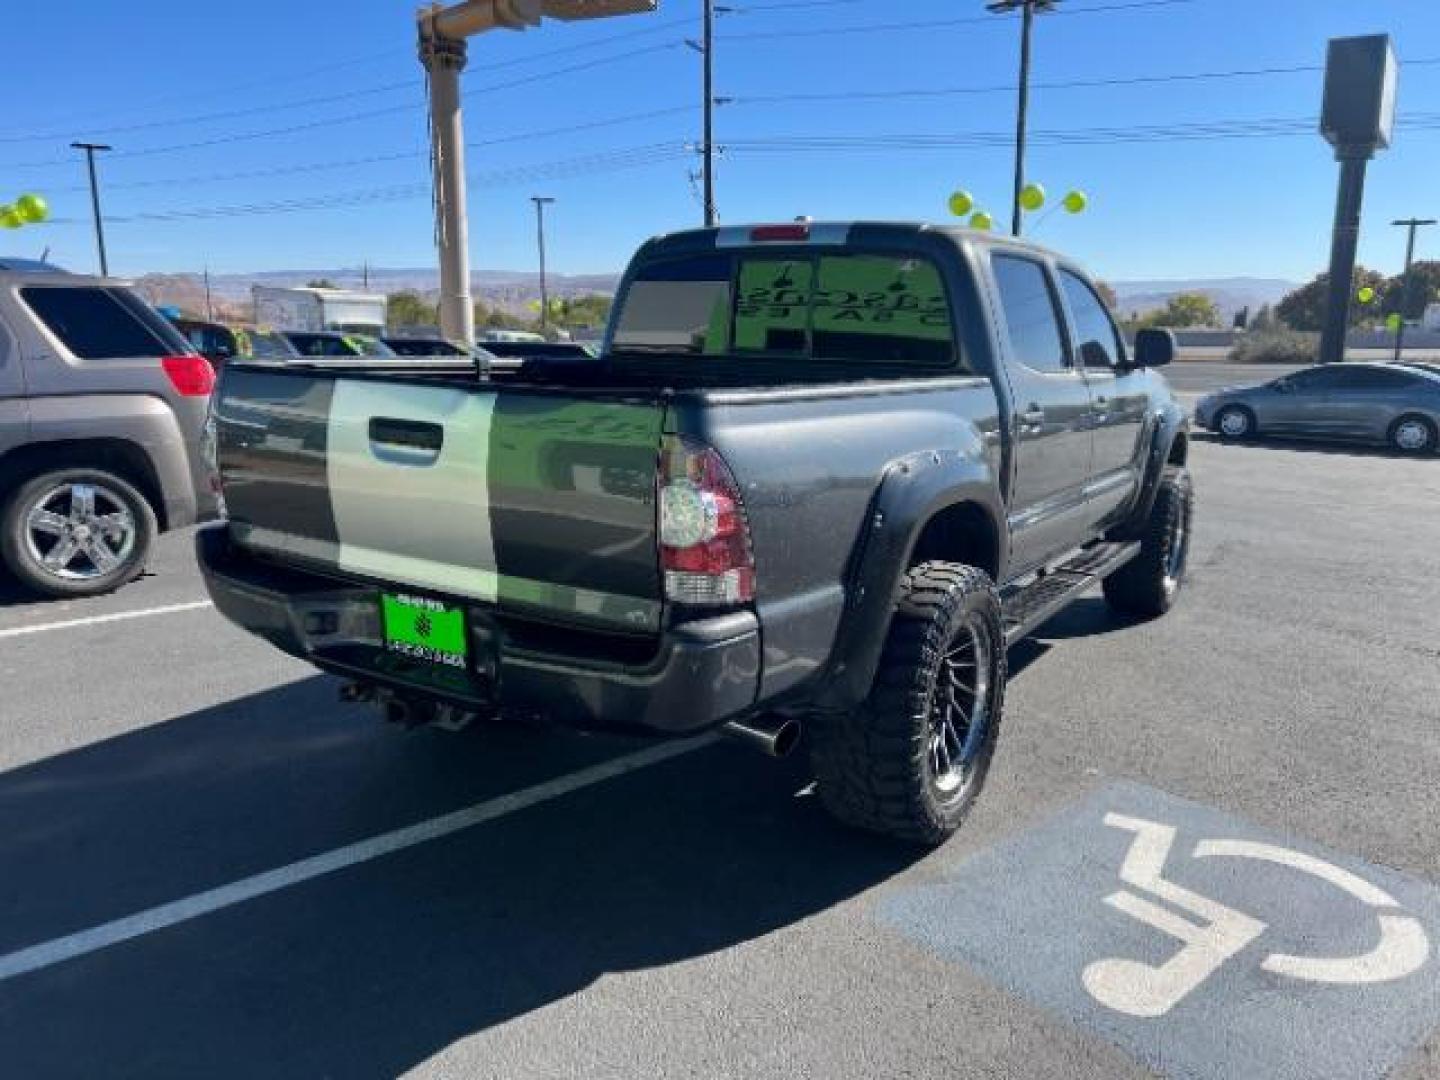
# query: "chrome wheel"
1234, 423
960, 706
1412, 436
80, 531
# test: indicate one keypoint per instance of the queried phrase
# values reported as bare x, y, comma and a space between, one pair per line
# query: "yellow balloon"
1076, 202
1032, 197
10, 218
32, 208
1394, 321
982, 221
961, 203
1366, 295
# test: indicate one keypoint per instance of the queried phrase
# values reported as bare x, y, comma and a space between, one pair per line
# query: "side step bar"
1026, 608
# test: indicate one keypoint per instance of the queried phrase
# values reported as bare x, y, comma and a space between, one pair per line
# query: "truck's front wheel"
909, 762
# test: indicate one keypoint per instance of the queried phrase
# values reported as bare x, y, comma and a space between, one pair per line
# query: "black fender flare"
1172, 423
911, 492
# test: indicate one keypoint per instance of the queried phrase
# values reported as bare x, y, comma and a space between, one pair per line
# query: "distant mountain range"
513, 290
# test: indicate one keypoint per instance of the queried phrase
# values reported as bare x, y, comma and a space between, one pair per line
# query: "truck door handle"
405, 442
1034, 416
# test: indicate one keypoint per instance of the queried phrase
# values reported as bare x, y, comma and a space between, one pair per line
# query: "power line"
941, 24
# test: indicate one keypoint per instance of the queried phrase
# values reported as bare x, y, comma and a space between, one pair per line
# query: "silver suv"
102, 410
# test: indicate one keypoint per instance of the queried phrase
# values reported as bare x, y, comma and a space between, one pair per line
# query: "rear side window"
104, 324
1096, 339
848, 308
1030, 314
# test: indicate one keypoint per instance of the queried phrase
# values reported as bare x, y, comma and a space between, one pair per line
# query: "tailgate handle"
405, 442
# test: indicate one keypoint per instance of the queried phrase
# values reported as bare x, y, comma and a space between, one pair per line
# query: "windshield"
846, 307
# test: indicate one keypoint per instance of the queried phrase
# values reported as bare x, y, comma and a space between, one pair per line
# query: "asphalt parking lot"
201, 872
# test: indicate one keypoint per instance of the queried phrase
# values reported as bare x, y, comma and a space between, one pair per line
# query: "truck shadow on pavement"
1308, 446
373, 970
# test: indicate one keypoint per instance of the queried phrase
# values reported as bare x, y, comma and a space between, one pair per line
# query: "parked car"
1378, 403
265, 345
102, 408
214, 341
1420, 365
335, 343
887, 452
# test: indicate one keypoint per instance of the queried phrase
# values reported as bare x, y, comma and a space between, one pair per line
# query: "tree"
409, 308
1423, 290
1107, 293
321, 283
1185, 309
1304, 309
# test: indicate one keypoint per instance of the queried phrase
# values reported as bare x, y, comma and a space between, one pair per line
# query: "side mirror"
1154, 347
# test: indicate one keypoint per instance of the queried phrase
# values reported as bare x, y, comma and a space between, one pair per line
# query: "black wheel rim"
959, 712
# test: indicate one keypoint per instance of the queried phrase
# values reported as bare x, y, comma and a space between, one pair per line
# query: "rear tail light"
705, 549
192, 376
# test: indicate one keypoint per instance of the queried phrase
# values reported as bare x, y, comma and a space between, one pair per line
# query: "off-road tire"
21, 561
873, 764
1150, 583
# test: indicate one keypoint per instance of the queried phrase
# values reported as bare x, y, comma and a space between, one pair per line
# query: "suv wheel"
909, 761
1149, 583
76, 532
1235, 422
1413, 435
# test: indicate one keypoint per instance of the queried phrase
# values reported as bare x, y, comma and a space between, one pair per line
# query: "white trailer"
317, 309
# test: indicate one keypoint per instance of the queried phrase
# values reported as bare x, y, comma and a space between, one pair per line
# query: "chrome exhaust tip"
774, 736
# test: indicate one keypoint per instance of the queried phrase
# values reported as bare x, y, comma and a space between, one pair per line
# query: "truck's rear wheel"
1149, 583
909, 761
76, 532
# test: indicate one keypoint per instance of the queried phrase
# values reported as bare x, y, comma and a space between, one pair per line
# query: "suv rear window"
96, 323
848, 307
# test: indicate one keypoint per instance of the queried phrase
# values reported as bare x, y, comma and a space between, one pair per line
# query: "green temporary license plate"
424, 629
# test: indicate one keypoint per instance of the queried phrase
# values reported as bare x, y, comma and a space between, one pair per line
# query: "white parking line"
100, 937
94, 620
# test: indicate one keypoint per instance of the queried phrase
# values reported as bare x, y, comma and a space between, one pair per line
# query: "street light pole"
1413, 224
542, 201
1028, 10
90, 149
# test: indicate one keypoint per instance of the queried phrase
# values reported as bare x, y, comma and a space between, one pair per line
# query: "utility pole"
443, 32
1413, 224
209, 308
542, 201
90, 149
365, 274
1028, 10
709, 81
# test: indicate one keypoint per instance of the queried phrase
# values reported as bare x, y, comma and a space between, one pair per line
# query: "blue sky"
1202, 208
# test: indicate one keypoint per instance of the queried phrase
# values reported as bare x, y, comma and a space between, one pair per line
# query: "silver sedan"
1392, 404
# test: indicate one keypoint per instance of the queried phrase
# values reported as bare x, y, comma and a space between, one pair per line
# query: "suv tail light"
705, 549
192, 376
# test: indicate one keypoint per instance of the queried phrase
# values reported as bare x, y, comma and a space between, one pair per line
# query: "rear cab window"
820, 307
103, 323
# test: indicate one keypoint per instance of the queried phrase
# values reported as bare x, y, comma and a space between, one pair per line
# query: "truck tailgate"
538, 503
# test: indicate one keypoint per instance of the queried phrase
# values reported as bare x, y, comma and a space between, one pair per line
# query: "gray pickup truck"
102, 406
821, 473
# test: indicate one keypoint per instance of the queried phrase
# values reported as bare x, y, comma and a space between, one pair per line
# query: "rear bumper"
701, 674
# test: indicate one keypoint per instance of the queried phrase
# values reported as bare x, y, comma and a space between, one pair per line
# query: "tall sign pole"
443, 35
90, 148
1028, 10
1357, 120
1413, 224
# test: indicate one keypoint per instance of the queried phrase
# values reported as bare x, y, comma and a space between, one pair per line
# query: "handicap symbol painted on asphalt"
1138, 988
1205, 945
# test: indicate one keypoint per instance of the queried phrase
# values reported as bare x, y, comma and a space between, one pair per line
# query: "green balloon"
1393, 321
982, 221
961, 203
1032, 197
1076, 202
32, 208
10, 218
1366, 295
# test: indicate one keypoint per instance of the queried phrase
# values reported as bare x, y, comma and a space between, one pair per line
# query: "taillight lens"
192, 376
705, 549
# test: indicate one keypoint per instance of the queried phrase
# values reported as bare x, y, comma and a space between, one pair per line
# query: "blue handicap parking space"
1204, 945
